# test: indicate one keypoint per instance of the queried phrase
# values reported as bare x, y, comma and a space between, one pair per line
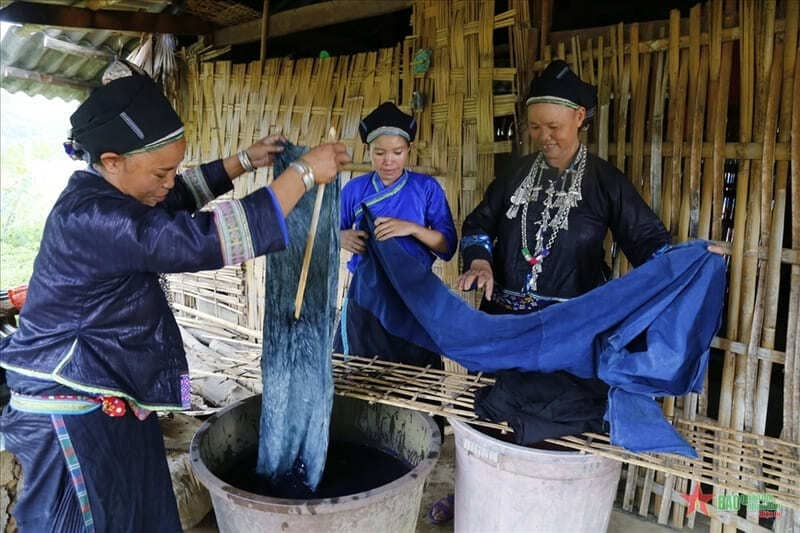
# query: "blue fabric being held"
296, 360
646, 335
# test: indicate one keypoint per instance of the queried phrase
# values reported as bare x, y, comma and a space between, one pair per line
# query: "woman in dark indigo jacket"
98, 349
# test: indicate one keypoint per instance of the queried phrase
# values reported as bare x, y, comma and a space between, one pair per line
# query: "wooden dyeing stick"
312, 233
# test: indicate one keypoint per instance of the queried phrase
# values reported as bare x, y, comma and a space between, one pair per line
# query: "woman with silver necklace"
537, 236
537, 239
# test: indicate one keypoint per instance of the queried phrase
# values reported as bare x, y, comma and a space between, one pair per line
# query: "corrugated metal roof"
58, 62
38, 60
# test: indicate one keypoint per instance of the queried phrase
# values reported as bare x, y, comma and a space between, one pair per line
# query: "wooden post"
264, 30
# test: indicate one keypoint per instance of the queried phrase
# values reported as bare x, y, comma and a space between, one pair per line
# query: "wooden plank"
308, 18
123, 21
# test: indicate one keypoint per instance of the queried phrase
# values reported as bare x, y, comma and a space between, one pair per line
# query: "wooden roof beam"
75, 17
308, 18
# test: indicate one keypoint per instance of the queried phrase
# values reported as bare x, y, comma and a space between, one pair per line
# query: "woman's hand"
388, 227
354, 240
713, 248
326, 160
480, 274
262, 152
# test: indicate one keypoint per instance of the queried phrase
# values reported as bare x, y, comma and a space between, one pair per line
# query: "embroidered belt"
68, 404
522, 301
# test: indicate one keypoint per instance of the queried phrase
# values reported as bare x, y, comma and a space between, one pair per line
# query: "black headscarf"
387, 119
557, 84
127, 115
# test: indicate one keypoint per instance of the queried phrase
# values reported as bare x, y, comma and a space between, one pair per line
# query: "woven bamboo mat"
738, 462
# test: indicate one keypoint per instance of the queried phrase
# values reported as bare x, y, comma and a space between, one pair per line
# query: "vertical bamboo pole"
755, 227
604, 97
791, 397
690, 203
638, 125
656, 136
768, 300
545, 21
720, 90
622, 93
674, 121
746, 61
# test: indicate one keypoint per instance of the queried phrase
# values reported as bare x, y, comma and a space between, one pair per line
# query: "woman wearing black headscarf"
98, 349
537, 239
537, 236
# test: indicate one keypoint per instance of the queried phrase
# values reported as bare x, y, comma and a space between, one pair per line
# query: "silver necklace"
555, 213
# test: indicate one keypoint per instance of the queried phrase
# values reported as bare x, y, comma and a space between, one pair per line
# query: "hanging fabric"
647, 334
296, 354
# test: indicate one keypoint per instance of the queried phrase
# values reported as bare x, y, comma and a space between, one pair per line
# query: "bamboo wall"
226, 107
704, 116
702, 113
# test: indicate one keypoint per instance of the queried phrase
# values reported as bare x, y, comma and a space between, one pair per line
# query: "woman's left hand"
388, 227
262, 153
713, 248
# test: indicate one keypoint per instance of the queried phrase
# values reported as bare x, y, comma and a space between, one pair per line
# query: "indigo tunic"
97, 327
414, 197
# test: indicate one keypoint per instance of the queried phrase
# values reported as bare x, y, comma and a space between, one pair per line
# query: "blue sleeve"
117, 237
439, 217
197, 186
347, 212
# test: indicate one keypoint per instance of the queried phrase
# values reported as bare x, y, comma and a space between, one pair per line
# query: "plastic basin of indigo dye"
531, 489
232, 433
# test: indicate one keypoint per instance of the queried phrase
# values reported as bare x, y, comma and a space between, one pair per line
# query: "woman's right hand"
353, 240
480, 274
326, 160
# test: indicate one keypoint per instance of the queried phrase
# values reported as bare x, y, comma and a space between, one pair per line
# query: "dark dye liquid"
349, 468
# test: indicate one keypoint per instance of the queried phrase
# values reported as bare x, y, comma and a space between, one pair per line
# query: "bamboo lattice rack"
735, 461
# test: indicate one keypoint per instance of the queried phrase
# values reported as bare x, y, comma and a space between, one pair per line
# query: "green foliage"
33, 171
20, 224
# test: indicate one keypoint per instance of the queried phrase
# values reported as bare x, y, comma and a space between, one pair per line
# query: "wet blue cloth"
647, 334
296, 361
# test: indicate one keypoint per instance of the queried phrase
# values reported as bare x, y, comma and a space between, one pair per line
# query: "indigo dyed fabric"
361, 333
646, 334
543, 406
296, 360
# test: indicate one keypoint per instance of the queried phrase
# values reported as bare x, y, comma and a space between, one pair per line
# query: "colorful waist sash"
522, 301
69, 404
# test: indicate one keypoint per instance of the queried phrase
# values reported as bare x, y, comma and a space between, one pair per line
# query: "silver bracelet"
306, 173
245, 161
